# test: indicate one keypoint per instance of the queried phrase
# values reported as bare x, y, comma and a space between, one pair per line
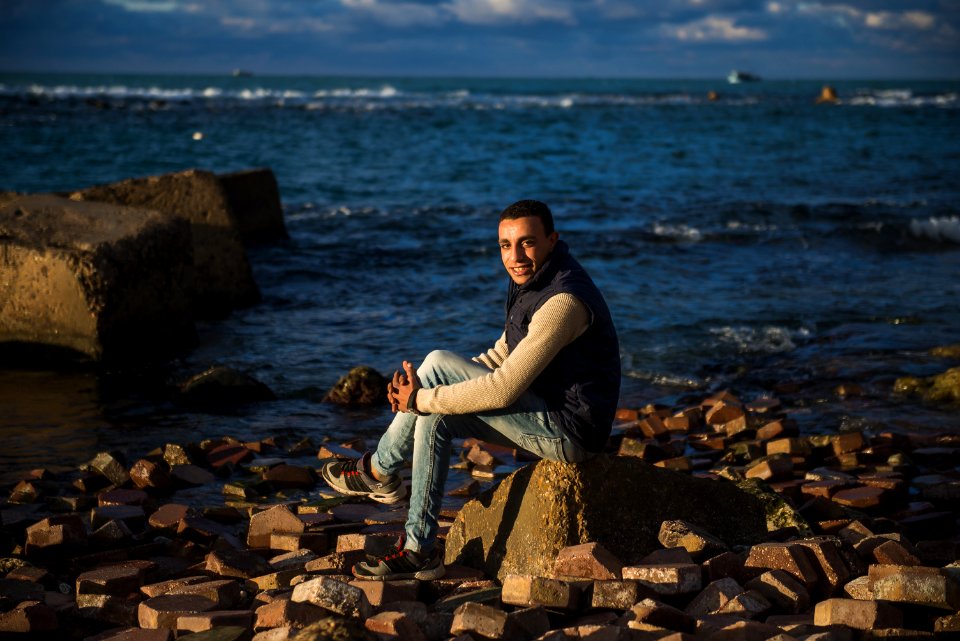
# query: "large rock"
521, 525
255, 200
361, 386
224, 280
102, 280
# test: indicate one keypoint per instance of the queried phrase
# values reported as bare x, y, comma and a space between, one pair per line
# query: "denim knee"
432, 366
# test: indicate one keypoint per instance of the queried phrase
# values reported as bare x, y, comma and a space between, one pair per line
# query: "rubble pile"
861, 542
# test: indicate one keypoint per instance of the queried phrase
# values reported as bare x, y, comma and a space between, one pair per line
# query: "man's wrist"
412, 403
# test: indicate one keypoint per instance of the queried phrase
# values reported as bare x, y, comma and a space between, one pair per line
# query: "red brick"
861, 498
228, 454
772, 468
163, 611
847, 442
379, 593
892, 553
147, 474
614, 594
859, 615
167, 517
117, 580
215, 619
666, 579
481, 620
394, 625
914, 584
525, 590
750, 604
782, 590
335, 596
713, 597
289, 614
789, 557
832, 570
28, 617
588, 561
122, 497
56, 532
276, 519
290, 476
236, 563
293, 541
694, 539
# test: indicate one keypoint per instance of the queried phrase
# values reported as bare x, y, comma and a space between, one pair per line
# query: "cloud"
714, 29
397, 14
908, 19
147, 6
490, 12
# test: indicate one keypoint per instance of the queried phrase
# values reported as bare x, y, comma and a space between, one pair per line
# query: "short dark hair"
524, 208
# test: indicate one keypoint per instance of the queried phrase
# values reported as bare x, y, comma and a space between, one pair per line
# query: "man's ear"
553, 238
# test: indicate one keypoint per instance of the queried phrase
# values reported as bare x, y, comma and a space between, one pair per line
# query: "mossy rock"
778, 513
334, 629
362, 386
940, 388
947, 351
519, 526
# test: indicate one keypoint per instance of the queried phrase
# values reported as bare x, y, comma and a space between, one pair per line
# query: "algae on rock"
519, 526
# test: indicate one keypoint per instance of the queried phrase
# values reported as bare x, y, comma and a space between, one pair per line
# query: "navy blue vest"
582, 383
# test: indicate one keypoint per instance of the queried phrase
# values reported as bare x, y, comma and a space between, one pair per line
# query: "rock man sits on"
549, 385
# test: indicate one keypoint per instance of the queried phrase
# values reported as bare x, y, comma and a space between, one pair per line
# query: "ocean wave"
765, 340
902, 98
941, 230
389, 96
677, 232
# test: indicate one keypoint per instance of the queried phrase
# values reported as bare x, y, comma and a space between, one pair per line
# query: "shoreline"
178, 511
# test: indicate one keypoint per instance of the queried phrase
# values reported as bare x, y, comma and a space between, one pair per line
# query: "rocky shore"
711, 521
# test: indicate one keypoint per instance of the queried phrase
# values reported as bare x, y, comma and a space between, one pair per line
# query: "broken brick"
859, 615
588, 561
666, 579
525, 590
276, 519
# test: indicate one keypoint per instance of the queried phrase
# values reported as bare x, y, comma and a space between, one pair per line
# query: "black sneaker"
402, 564
350, 477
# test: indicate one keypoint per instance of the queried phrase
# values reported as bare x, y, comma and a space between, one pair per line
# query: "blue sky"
619, 38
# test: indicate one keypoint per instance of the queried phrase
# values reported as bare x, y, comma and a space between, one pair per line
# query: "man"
549, 385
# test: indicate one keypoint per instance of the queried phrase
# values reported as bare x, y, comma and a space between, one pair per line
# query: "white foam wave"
902, 98
769, 340
679, 232
946, 229
736, 225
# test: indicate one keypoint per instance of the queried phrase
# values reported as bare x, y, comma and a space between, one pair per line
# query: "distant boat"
241, 73
736, 77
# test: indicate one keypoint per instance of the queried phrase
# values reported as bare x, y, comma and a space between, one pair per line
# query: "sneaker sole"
422, 575
388, 498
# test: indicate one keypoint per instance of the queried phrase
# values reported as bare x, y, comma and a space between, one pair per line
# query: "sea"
752, 240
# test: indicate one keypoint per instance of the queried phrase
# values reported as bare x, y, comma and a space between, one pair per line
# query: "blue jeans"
427, 441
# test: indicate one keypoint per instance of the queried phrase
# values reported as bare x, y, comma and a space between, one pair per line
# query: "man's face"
524, 247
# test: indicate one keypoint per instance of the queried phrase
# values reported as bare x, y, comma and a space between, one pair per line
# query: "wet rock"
361, 386
108, 282
191, 475
223, 278
521, 525
222, 386
254, 198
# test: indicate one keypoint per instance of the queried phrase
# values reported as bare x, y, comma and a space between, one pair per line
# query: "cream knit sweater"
560, 320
